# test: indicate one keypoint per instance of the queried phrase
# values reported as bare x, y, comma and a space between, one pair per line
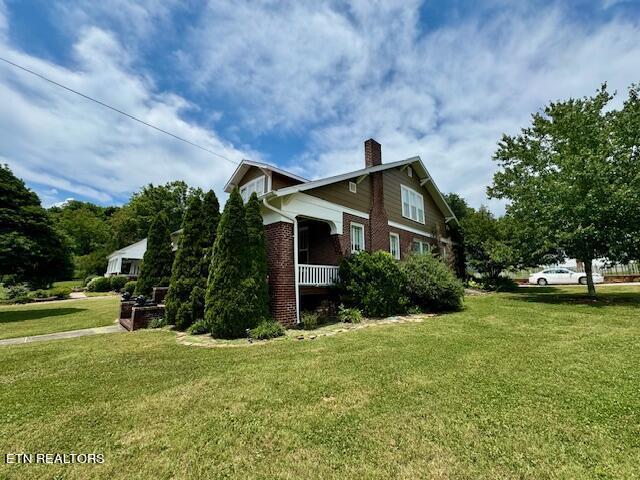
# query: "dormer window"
255, 185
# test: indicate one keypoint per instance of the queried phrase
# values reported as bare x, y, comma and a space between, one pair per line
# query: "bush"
431, 285
18, 294
88, 279
374, 283
37, 294
129, 287
499, 284
60, 293
157, 322
349, 315
118, 282
267, 329
199, 327
310, 320
99, 284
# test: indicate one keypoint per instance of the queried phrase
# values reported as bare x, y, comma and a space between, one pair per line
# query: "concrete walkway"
62, 335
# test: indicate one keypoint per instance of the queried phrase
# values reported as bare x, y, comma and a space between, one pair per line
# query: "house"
127, 260
311, 225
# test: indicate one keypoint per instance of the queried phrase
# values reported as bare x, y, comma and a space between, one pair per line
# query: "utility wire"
132, 117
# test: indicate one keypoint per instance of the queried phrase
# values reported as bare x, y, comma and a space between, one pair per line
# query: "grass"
68, 283
60, 316
534, 384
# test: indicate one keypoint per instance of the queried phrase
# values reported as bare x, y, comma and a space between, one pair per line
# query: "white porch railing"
317, 275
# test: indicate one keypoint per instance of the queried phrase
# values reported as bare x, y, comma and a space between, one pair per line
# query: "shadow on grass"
19, 316
553, 295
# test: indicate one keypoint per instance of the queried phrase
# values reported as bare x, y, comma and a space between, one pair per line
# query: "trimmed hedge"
129, 287
431, 285
118, 282
374, 283
99, 284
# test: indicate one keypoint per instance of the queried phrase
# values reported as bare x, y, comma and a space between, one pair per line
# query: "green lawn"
534, 384
51, 317
68, 283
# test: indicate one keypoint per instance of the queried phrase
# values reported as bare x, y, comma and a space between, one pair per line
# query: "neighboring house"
311, 225
127, 260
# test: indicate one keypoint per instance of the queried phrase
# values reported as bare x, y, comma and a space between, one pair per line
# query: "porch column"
280, 257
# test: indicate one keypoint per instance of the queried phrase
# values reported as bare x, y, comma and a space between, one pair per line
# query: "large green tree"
229, 297
257, 248
186, 273
573, 181
461, 210
211, 215
487, 243
156, 263
32, 249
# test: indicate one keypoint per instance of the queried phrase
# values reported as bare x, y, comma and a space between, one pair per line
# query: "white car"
562, 276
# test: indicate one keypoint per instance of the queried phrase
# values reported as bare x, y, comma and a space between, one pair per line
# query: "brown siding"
339, 193
393, 201
253, 172
281, 181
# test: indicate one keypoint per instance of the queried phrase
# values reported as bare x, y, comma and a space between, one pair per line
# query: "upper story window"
412, 204
357, 237
420, 246
255, 185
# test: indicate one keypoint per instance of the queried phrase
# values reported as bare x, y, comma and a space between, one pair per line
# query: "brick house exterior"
311, 225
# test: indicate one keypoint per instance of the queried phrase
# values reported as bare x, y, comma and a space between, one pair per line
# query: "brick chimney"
372, 153
378, 220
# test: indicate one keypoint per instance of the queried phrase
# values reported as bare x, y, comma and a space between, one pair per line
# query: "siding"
253, 172
280, 181
393, 201
339, 193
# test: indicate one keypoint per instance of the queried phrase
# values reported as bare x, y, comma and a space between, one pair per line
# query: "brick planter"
158, 295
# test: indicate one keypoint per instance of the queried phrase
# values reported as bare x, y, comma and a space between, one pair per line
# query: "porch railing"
317, 275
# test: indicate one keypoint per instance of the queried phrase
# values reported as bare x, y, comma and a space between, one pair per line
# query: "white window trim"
250, 186
358, 225
420, 198
397, 237
353, 187
422, 244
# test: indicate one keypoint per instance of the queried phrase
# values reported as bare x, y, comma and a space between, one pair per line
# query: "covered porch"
318, 254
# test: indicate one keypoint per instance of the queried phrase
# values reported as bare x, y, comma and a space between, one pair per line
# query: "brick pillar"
372, 153
281, 272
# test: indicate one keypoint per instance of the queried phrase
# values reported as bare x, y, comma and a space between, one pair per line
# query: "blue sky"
298, 84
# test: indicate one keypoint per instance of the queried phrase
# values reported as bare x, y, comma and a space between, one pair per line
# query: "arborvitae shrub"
230, 298
374, 283
258, 256
431, 285
211, 218
157, 260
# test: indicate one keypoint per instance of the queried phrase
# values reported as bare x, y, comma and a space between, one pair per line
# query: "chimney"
372, 153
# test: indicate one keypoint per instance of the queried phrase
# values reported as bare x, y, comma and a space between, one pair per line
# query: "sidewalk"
63, 335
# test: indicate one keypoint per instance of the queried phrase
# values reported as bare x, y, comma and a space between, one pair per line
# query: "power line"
132, 117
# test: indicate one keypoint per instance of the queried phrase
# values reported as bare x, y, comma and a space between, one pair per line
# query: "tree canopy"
32, 249
573, 181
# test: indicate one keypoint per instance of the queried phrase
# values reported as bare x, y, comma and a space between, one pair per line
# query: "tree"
487, 243
573, 181
461, 210
156, 263
32, 249
186, 271
211, 214
258, 256
229, 297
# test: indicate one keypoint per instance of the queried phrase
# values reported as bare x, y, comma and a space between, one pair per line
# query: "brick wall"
344, 241
159, 294
379, 231
406, 240
281, 272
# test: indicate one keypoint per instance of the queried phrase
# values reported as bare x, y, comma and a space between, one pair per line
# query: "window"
394, 245
357, 237
412, 204
410, 172
255, 185
420, 246
353, 187
303, 245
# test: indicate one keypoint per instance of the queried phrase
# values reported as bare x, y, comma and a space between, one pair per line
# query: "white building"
127, 260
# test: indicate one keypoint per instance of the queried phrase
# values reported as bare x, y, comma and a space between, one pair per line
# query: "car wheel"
582, 281
542, 282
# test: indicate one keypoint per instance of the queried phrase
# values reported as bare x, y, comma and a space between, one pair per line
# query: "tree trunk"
589, 271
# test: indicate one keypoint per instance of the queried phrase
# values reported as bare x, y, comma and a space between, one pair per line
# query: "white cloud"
58, 140
341, 74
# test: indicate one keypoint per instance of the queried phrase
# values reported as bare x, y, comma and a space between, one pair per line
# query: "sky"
298, 84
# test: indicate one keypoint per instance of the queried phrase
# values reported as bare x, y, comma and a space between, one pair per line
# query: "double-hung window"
420, 246
256, 185
394, 245
357, 237
412, 204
